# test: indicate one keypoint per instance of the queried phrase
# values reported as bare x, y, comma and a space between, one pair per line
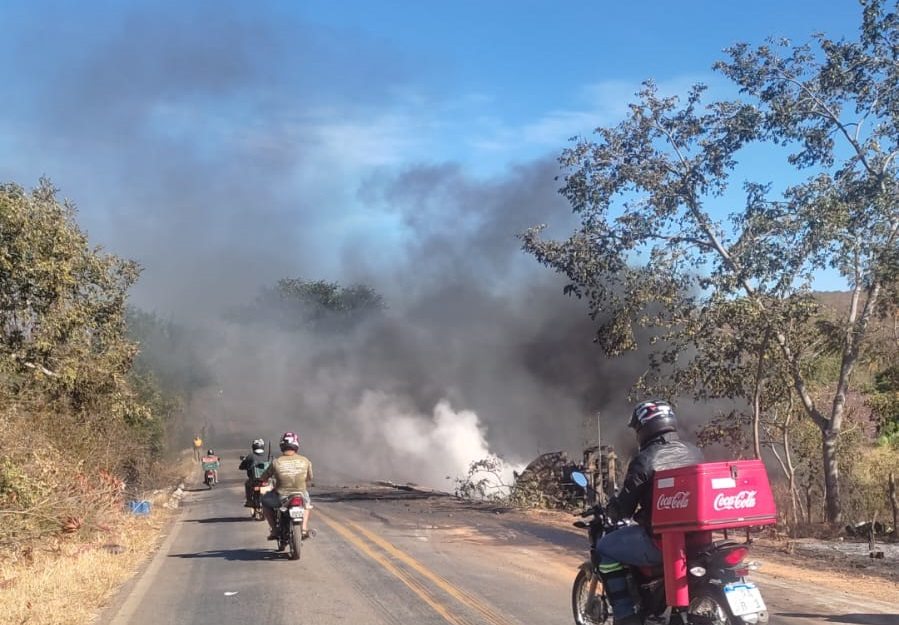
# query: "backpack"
259, 468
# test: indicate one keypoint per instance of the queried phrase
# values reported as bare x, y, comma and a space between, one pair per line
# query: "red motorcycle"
288, 524
702, 580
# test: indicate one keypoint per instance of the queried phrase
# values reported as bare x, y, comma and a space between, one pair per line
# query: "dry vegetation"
71, 542
82, 426
67, 579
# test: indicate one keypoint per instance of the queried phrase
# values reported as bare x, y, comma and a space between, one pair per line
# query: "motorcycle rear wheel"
294, 544
709, 607
588, 601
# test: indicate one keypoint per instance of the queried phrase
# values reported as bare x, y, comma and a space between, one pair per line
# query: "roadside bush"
79, 428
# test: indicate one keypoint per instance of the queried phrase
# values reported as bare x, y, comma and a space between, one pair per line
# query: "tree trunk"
832, 503
791, 474
757, 397
808, 505
894, 502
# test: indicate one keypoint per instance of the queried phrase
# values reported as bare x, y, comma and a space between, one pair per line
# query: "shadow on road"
221, 519
232, 555
850, 619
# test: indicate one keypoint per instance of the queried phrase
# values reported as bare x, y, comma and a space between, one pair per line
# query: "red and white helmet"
290, 441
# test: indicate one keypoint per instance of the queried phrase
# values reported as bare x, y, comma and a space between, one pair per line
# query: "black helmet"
258, 446
651, 419
210, 452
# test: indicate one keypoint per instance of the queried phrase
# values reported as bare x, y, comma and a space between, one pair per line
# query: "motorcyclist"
254, 464
660, 448
293, 474
210, 460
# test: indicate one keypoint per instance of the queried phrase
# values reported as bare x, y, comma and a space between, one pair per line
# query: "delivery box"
712, 496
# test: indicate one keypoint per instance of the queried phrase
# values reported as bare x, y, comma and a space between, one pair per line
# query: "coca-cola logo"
742, 500
677, 501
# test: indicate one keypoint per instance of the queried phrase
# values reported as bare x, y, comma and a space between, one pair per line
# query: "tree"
62, 303
652, 251
298, 304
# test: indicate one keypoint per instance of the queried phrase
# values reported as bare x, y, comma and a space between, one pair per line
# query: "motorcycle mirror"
243, 457
579, 478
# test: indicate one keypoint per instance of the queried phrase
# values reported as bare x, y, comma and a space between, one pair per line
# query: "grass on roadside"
66, 579
64, 582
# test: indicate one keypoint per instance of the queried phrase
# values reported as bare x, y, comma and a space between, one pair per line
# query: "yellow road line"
412, 583
489, 614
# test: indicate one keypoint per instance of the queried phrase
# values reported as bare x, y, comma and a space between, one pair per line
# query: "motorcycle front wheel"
588, 601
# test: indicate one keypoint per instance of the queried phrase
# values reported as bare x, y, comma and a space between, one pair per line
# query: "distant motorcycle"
288, 524
260, 487
719, 591
210, 464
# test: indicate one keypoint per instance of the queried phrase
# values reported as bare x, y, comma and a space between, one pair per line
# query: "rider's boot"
616, 582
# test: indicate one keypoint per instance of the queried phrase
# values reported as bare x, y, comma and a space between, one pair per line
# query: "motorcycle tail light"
296, 501
735, 556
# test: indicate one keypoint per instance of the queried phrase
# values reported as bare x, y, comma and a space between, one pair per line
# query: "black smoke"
202, 143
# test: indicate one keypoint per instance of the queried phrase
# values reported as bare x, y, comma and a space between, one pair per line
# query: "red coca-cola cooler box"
712, 495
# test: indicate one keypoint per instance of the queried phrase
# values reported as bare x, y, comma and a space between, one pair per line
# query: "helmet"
258, 446
290, 441
210, 452
651, 419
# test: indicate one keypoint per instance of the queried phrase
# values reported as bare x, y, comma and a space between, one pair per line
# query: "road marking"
414, 585
489, 614
457, 593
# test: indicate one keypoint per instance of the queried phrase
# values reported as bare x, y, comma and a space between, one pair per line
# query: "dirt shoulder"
69, 579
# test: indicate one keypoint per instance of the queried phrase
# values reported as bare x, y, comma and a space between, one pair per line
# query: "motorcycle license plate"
744, 599
296, 513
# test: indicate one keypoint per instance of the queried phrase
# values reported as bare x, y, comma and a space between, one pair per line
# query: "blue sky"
226, 141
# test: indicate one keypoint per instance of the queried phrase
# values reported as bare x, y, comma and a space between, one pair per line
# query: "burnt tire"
589, 607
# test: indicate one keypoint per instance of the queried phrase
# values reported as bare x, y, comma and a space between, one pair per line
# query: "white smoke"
430, 450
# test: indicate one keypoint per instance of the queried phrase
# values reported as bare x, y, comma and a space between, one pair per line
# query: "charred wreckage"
547, 480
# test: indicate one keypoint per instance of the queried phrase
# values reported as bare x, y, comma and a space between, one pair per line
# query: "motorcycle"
260, 487
288, 524
209, 478
719, 589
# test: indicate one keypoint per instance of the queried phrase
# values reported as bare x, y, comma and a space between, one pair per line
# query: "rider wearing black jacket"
248, 464
660, 448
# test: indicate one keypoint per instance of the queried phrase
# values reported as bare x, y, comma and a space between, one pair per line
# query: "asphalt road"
393, 557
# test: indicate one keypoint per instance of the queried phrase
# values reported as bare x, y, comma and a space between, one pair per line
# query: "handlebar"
599, 513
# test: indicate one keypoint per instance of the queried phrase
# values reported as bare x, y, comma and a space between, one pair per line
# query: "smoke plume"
227, 156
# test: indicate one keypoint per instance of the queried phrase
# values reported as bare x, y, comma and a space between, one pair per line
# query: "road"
385, 556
